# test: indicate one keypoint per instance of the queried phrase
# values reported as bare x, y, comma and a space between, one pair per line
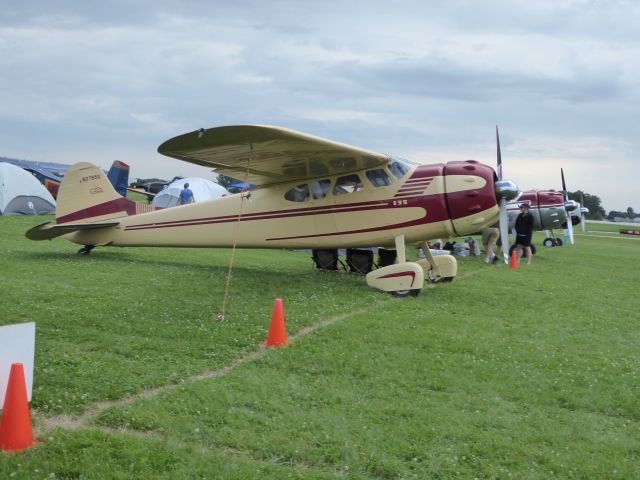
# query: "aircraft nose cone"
506, 189
570, 205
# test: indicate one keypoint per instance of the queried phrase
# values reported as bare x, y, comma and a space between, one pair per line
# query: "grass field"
532, 373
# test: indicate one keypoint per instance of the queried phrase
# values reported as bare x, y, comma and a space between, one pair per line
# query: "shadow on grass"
294, 271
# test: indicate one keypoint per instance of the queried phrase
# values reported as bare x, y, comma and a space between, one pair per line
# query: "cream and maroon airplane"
311, 193
551, 210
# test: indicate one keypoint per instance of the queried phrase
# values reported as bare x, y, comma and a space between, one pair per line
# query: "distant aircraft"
551, 210
310, 193
50, 174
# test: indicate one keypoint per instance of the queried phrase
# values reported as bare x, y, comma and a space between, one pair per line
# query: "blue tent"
241, 186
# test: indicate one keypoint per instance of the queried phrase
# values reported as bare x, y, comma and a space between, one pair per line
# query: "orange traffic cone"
15, 426
277, 333
513, 263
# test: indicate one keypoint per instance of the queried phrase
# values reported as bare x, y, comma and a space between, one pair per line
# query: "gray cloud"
87, 80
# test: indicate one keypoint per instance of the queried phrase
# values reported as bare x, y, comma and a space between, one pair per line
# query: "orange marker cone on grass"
15, 426
513, 263
277, 336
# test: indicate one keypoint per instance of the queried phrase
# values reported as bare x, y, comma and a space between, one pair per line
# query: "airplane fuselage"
547, 207
427, 201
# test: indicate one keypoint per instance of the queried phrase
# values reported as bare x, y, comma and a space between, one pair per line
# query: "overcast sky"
425, 80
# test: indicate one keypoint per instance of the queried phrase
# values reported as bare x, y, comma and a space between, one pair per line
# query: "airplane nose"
506, 189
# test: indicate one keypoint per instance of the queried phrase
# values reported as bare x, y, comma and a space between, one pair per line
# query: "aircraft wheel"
533, 249
406, 293
549, 242
558, 242
84, 251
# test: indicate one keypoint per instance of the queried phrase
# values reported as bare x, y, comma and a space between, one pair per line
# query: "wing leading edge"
268, 154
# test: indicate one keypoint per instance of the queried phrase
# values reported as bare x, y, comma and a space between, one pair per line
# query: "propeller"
505, 190
568, 207
582, 210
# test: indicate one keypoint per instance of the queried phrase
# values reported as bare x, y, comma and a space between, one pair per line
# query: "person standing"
524, 231
186, 196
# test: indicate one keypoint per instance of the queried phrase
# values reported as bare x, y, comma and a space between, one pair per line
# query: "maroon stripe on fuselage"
112, 206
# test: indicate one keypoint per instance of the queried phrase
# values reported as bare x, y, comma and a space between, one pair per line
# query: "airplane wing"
141, 192
44, 232
266, 155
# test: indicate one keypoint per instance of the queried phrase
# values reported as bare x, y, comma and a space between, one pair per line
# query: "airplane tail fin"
86, 195
119, 177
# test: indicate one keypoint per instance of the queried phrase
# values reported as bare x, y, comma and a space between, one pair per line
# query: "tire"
84, 251
406, 293
558, 242
533, 249
549, 242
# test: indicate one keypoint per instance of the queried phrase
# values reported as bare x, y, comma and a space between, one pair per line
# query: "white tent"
22, 194
202, 189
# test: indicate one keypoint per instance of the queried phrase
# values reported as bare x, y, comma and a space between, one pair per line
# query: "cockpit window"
319, 188
299, 193
378, 177
347, 184
398, 168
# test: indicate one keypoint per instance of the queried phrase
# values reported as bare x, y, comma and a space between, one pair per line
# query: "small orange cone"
513, 263
277, 332
15, 426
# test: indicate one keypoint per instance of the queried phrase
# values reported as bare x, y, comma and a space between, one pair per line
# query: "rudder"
86, 194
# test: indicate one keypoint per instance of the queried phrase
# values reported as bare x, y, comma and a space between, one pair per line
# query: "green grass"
531, 373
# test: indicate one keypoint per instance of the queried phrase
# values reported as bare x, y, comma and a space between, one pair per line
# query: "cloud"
425, 80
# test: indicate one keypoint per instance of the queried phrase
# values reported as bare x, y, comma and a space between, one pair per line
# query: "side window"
378, 177
398, 168
319, 188
347, 184
299, 193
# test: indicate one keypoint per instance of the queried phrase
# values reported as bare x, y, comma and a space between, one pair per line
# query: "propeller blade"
566, 197
570, 228
499, 155
582, 218
504, 229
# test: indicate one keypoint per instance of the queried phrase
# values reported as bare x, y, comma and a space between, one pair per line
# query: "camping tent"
22, 194
202, 189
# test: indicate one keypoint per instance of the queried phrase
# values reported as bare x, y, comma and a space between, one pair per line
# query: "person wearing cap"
524, 231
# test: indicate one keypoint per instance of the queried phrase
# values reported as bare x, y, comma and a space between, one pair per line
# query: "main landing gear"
84, 251
552, 240
404, 279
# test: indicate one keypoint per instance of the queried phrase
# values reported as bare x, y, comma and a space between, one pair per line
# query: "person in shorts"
524, 231
490, 236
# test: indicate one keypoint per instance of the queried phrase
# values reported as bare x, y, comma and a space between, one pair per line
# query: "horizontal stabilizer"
45, 231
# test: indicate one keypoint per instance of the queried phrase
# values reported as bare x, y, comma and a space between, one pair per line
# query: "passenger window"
347, 184
378, 177
398, 168
320, 188
299, 193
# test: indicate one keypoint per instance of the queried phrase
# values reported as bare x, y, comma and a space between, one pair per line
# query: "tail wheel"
84, 251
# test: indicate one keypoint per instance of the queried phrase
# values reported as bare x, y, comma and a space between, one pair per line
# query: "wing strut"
243, 195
